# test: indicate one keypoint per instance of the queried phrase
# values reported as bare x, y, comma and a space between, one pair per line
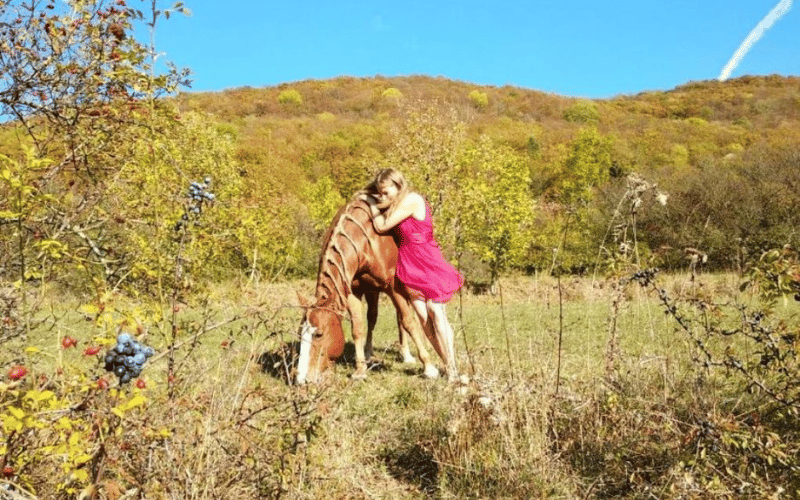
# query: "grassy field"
576, 388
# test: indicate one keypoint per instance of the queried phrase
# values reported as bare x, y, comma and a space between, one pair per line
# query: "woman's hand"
372, 203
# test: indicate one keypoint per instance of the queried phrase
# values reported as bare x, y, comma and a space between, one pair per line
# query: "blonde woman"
430, 280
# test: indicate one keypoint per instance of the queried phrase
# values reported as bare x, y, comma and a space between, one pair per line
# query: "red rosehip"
102, 383
17, 372
91, 350
8, 471
140, 384
68, 342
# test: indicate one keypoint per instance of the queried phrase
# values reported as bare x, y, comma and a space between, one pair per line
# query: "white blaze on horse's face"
306, 338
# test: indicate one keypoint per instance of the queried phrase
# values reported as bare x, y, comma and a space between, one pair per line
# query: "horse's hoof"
431, 372
409, 359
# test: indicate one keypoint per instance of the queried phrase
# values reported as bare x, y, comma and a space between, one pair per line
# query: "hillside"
734, 132
520, 180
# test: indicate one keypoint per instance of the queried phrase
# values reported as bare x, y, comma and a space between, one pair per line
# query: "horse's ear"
304, 302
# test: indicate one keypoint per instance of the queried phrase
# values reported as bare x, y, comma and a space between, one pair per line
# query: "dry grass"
620, 423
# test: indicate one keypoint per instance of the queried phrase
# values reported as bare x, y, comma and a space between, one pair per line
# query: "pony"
356, 262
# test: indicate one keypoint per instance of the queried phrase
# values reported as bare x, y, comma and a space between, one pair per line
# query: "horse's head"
321, 341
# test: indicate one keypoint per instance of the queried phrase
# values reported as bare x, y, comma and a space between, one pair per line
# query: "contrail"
776, 13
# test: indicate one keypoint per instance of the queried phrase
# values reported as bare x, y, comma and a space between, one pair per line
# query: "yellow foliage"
479, 99
290, 96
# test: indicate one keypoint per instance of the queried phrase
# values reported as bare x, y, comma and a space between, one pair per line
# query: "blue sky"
581, 48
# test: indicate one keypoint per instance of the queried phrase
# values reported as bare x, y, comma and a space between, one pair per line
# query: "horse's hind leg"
359, 339
405, 348
372, 319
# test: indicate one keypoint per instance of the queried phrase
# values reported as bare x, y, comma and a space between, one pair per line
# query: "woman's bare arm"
404, 210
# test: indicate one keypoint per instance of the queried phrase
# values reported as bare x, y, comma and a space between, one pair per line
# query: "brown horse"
356, 261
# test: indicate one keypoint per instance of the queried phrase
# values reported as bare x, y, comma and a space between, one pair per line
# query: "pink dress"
420, 264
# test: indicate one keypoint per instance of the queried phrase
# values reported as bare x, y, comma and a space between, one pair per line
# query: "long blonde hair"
384, 177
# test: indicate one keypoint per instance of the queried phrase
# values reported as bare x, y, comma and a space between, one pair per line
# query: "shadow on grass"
415, 466
281, 362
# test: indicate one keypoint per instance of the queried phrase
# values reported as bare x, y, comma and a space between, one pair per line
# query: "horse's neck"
341, 260
329, 296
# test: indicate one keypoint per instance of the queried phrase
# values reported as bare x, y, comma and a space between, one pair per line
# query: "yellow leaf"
118, 412
11, 424
39, 396
135, 401
89, 309
80, 475
32, 350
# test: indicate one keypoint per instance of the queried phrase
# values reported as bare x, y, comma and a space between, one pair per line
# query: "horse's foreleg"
410, 322
359, 339
372, 319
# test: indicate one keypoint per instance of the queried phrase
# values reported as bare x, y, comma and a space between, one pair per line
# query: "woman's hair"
384, 177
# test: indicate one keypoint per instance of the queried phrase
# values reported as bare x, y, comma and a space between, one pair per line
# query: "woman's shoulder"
417, 204
415, 198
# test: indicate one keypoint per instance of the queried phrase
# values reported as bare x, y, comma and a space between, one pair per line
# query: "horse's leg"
354, 308
410, 322
372, 319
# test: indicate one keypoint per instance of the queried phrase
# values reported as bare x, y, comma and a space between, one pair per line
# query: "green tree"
586, 167
322, 201
565, 240
426, 148
582, 112
150, 194
493, 207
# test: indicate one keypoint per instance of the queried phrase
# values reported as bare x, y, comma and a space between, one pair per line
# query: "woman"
429, 278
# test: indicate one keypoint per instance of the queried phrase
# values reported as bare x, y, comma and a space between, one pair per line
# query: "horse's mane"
339, 243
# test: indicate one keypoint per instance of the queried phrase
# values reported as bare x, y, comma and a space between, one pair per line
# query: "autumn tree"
493, 208
83, 97
427, 146
565, 234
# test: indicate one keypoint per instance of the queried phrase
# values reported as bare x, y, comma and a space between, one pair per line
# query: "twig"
194, 337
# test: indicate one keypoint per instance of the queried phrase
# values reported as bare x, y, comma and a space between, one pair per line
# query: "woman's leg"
422, 312
445, 333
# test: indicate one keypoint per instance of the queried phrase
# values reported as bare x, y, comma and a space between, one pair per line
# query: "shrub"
290, 96
582, 112
392, 94
479, 99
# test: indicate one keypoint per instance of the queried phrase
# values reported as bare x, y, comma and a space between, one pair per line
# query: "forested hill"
519, 180
724, 155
